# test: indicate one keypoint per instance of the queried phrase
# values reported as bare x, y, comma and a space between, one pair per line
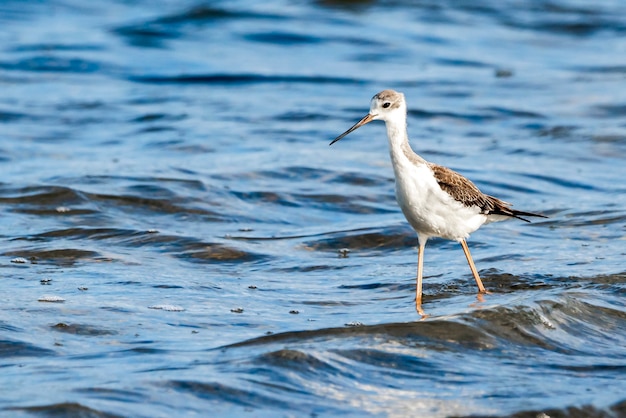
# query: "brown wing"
461, 189
464, 191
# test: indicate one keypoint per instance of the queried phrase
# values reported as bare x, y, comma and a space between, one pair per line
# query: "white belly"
431, 211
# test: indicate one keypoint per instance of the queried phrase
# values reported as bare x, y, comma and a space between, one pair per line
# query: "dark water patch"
157, 129
11, 348
126, 353
115, 395
139, 204
152, 33
609, 139
154, 190
496, 283
293, 360
354, 204
283, 38
8, 116
219, 392
555, 326
502, 257
486, 114
387, 239
609, 111
602, 69
12, 12
469, 117
504, 112
557, 18
81, 329
136, 181
557, 131
617, 280
617, 410
295, 116
207, 253
376, 285
61, 257
308, 269
66, 409
182, 247
164, 242
435, 334
483, 116
501, 282
566, 325
376, 57
578, 26
278, 199
160, 117
50, 64
117, 309
193, 149
363, 42
596, 322
359, 179
8, 327
207, 13
145, 35
302, 174
59, 211
41, 195
401, 364
618, 369
587, 218
456, 62
515, 325
144, 350
328, 303
50, 47
263, 238
89, 233
241, 79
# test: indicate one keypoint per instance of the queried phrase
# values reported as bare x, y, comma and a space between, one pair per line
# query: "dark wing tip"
499, 207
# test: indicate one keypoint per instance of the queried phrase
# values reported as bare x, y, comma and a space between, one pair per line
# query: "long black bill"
368, 118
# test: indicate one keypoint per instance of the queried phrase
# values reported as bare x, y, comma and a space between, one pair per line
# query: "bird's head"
386, 105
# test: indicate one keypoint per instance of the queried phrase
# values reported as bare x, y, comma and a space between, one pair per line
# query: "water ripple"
166, 175
240, 79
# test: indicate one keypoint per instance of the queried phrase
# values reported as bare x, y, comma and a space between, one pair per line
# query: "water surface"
178, 238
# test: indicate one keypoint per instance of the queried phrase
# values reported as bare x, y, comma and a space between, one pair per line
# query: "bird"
435, 200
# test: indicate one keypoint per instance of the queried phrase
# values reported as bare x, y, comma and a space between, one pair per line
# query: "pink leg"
420, 269
479, 283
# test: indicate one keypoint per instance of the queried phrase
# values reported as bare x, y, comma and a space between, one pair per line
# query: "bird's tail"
519, 213
504, 209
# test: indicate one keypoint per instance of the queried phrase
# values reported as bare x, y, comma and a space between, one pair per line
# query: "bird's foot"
420, 311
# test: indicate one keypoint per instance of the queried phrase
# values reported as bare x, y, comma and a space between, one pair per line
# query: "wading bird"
436, 201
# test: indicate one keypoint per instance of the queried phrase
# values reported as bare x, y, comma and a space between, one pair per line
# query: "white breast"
431, 211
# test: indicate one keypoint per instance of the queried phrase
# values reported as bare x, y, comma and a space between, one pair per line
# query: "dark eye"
386, 105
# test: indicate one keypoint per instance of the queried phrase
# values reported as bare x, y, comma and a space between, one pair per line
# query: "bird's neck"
399, 147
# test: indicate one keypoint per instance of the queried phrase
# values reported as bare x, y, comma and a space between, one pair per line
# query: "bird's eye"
386, 105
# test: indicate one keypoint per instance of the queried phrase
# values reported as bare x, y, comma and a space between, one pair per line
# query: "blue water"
177, 238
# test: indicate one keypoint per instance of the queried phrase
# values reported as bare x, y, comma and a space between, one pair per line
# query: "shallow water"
178, 238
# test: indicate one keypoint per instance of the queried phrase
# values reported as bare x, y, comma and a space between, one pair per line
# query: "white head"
388, 105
